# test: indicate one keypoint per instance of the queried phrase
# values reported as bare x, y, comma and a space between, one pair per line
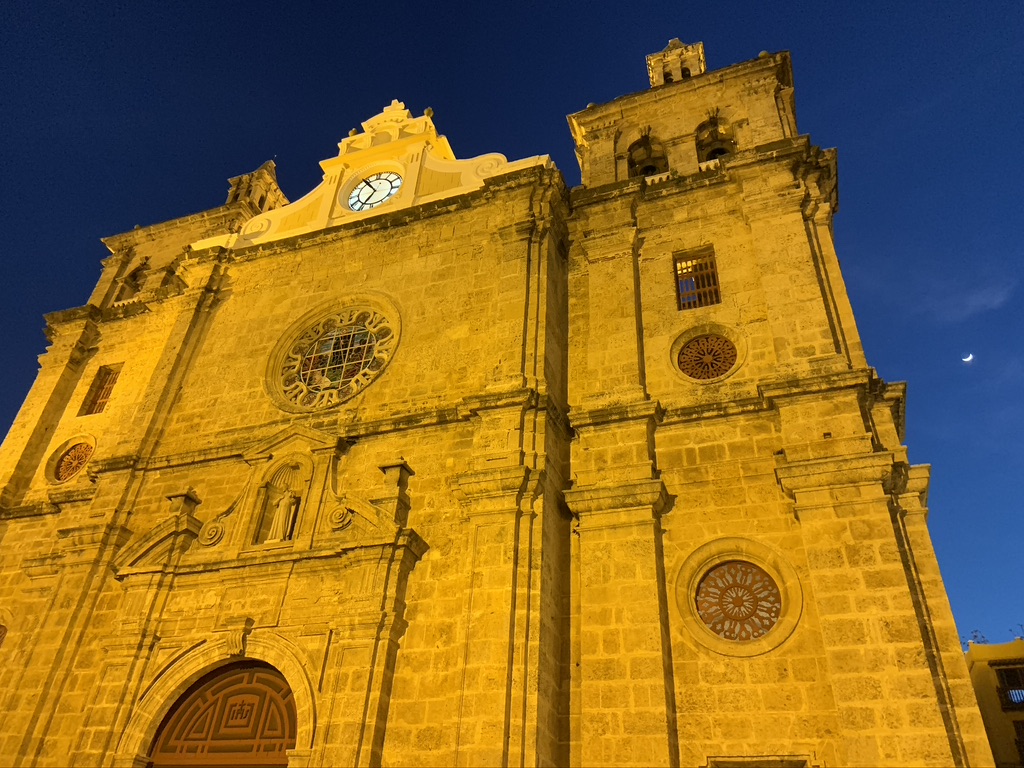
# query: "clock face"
374, 190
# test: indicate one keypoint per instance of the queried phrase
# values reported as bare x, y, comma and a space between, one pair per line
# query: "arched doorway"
239, 715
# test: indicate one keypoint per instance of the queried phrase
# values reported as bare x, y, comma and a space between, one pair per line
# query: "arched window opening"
714, 138
667, 75
685, 73
646, 157
239, 715
131, 285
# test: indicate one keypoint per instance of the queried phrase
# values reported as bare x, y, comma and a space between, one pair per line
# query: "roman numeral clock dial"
374, 190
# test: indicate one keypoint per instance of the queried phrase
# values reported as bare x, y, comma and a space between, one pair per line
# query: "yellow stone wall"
1000, 710
498, 538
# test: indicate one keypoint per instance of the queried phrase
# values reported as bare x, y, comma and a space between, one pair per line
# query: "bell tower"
754, 576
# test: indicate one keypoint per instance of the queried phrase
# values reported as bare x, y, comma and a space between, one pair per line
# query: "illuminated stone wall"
490, 472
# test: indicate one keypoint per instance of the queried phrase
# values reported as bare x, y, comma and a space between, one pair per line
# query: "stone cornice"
674, 183
327, 425
649, 496
595, 116
546, 173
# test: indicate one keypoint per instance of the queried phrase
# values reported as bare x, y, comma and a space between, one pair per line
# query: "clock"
374, 190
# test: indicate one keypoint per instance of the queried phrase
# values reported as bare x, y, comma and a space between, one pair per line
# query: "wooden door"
240, 715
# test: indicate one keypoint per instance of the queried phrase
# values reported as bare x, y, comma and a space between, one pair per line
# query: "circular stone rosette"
71, 461
738, 601
336, 357
738, 597
707, 357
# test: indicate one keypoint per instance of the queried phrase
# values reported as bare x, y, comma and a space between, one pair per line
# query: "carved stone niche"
281, 498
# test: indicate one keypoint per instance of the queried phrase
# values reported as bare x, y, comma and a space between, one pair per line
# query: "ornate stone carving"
738, 601
707, 357
211, 534
245, 712
282, 523
279, 501
336, 357
340, 518
72, 461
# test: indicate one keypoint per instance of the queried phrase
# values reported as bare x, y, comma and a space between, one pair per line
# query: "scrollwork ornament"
257, 226
340, 518
211, 534
488, 166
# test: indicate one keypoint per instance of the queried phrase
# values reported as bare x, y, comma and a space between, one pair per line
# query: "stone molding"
719, 551
595, 502
173, 680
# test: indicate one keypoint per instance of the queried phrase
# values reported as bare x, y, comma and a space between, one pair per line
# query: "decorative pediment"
361, 520
164, 544
293, 439
398, 161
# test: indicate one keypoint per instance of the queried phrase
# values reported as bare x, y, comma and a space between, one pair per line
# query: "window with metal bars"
99, 391
1011, 687
697, 279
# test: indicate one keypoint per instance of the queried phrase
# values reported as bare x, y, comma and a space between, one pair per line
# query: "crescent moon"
968, 359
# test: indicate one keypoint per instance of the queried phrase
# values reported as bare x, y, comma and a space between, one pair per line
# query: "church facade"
448, 464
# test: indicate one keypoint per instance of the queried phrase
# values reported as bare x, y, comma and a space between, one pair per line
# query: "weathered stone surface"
486, 550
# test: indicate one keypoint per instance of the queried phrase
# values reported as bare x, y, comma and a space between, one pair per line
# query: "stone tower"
751, 564
444, 464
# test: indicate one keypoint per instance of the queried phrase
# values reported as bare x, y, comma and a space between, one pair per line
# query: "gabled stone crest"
392, 142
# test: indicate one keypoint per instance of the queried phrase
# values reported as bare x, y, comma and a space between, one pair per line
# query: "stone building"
447, 464
997, 672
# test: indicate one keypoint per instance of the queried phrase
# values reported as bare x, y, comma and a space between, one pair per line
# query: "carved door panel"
241, 715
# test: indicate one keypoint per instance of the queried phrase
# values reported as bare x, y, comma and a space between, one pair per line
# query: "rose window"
707, 357
337, 357
738, 601
71, 461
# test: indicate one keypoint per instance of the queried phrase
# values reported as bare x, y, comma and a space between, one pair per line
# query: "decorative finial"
353, 132
428, 112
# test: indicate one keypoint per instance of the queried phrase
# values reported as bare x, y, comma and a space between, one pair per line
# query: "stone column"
624, 668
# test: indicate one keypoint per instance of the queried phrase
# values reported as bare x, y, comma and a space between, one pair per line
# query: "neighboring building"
445, 463
997, 672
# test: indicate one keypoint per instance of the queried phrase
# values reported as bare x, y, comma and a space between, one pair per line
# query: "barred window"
697, 279
99, 391
1011, 687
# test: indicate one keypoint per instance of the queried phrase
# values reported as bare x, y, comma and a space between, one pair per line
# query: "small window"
697, 279
685, 73
1011, 687
99, 391
667, 75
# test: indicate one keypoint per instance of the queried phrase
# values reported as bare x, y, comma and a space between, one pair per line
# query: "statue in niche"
279, 501
283, 522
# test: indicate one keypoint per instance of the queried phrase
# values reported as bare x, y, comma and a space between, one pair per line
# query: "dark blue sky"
135, 113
